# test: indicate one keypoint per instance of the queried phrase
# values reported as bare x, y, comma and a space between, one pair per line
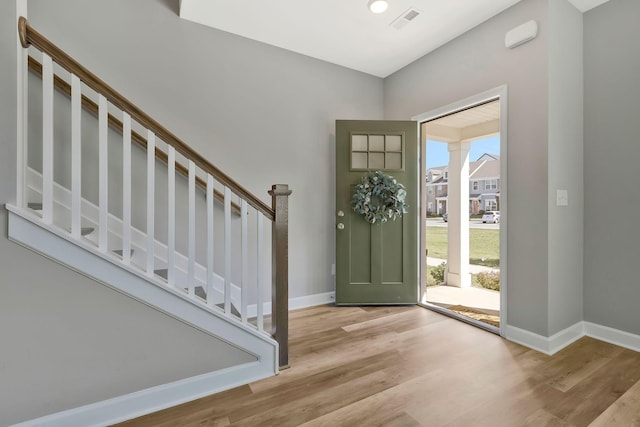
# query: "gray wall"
262, 114
69, 341
611, 155
565, 157
8, 70
473, 63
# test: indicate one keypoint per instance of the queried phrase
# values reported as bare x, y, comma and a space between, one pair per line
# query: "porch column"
458, 211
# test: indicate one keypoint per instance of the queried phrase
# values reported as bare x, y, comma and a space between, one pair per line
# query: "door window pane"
394, 143
359, 143
393, 161
376, 142
376, 161
379, 152
358, 160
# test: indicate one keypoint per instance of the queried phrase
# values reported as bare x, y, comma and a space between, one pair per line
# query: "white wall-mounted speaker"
521, 34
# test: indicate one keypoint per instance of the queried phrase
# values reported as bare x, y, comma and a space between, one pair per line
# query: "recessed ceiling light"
378, 6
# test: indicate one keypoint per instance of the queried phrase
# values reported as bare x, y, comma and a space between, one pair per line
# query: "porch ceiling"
466, 125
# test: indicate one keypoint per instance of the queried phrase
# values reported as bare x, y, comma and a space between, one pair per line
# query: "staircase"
157, 222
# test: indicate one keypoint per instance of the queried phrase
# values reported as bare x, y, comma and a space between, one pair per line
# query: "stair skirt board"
90, 214
30, 232
27, 229
200, 292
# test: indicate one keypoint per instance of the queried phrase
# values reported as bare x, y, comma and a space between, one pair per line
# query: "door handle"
340, 226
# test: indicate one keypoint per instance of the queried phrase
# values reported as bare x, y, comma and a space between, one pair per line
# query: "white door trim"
495, 93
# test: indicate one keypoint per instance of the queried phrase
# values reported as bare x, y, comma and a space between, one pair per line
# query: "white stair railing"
229, 292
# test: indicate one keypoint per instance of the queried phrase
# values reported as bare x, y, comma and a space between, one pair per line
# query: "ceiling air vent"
406, 17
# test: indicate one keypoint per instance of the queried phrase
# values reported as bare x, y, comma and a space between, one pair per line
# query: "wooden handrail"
114, 123
29, 36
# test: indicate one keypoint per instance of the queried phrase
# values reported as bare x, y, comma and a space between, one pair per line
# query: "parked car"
445, 217
491, 216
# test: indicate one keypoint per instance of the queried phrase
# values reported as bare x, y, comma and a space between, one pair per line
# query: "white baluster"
171, 217
244, 261
151, 188
192, 227
260, 242
76, 156
23, 114
126, 188
103, 164
210, 240
47, 139
227, 251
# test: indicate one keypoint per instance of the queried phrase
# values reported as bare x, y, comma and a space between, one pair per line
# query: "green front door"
376, 263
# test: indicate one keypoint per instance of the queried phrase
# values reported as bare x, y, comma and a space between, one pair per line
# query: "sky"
437, 154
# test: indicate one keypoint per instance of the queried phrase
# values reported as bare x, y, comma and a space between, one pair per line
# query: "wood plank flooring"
408, 366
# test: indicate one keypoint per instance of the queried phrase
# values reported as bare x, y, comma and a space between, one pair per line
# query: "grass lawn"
484, 245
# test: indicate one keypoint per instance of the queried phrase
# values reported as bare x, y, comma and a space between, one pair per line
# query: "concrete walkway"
481, 299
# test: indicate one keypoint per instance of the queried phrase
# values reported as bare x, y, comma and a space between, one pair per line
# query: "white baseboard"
612, 336
553, 344
546, 345
312, 300
565, 337
133, 405
296, 303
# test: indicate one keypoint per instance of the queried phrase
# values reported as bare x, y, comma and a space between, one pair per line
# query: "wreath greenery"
379, 197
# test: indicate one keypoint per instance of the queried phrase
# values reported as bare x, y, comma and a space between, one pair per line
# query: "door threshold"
453, 314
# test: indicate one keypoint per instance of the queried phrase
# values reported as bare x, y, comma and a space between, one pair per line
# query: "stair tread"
198, 291
234, 310
84, 231
120, 251
36, 206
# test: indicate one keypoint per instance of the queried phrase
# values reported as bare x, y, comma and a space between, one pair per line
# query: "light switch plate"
562, 198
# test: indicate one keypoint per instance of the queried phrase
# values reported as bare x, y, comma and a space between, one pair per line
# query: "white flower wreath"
379, 197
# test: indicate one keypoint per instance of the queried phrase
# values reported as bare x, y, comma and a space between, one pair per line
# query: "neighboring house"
437, 190
267, 115
484, 186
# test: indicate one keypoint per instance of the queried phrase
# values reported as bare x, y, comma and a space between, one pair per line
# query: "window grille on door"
377, 151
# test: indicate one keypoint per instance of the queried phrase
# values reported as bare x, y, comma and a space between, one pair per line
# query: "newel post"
280, 270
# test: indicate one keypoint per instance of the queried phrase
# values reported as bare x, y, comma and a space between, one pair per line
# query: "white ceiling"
345, 32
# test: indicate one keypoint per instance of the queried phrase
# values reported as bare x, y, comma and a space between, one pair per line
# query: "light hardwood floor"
408, 366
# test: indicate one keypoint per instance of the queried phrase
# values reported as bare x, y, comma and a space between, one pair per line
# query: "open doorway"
463, 199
